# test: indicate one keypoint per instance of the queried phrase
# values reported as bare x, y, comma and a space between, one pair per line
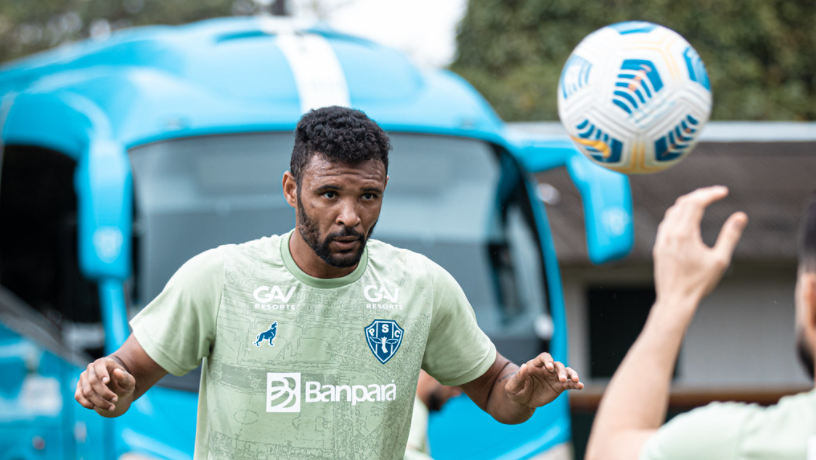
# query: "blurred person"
430, 397
290, 326
628, 423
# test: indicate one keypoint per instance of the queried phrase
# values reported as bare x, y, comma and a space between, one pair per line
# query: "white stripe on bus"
319, 78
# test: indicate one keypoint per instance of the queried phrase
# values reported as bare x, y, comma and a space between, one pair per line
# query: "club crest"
384, 337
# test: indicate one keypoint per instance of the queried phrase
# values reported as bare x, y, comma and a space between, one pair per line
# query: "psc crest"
384, 337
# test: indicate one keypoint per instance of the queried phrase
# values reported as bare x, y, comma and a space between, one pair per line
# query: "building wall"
742, 335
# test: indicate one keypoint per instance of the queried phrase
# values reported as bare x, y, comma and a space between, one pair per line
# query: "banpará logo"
281, 396
315, 392
375, 294
283, 392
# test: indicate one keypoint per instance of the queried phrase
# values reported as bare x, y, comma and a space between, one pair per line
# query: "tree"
27, 26
759, 53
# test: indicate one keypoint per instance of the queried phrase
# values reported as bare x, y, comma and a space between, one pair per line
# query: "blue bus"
124, 157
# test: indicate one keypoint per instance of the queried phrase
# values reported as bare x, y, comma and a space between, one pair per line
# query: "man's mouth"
345, 243
346, 239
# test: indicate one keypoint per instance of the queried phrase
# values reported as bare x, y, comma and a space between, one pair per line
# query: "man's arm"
458, 351
110, 384
511, 393
686, 270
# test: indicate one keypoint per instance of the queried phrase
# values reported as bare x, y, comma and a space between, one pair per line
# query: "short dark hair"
807, 236
340, 134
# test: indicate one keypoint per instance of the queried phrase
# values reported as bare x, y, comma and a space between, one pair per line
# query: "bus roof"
229, 75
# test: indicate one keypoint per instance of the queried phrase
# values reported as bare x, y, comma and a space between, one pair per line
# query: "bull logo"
268, 334
384, 337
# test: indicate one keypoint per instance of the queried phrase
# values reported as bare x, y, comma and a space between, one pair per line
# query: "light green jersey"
299, 367
736, 431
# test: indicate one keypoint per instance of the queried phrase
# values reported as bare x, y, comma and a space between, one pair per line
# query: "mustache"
346, 232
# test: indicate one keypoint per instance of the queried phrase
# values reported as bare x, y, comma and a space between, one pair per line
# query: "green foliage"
759, 53
27, 26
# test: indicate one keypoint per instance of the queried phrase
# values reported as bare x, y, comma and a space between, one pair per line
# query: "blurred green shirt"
417, 448
726, 431
299, 367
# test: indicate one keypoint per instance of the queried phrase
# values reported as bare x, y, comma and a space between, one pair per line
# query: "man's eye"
369, 196
330, 194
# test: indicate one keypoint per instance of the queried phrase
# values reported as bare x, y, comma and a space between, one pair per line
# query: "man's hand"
685, 268
511, 394
540, 380
103, 384
112, 383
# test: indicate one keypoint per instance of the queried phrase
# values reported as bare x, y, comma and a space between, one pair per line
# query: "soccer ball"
634, 97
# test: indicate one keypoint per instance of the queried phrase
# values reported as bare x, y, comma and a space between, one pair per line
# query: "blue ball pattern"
696, 68
603, 147
633, 27
578, 79
675, 143
638, 81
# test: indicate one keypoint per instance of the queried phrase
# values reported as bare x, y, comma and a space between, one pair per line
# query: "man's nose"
348, 216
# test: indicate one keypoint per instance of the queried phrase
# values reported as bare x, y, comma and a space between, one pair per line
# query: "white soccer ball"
634, 97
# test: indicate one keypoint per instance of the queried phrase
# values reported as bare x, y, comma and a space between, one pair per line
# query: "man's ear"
290, 187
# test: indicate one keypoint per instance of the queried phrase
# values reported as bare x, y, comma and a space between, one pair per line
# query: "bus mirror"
606, 195
607, 202
103, 185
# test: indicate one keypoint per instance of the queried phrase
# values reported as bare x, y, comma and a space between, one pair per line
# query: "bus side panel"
162, 423
463, 430
89, 432
36, 404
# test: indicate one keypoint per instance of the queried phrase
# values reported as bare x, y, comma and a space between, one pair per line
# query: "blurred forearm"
634, 405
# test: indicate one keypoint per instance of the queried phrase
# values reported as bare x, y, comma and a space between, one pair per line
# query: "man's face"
338, 206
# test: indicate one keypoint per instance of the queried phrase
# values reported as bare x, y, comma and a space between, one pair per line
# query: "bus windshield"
461, 202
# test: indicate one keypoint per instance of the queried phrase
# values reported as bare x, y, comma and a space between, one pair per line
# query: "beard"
310, 232
805, 353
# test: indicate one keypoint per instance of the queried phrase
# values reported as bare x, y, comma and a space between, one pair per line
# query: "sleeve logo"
384, 337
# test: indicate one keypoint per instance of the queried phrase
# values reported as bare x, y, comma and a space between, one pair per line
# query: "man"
627, 426
430, 397
321, 372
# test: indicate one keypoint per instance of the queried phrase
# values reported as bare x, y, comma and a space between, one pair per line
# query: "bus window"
464, 204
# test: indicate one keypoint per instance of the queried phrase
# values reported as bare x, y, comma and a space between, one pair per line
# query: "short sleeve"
457, 351
177, 328
708, 433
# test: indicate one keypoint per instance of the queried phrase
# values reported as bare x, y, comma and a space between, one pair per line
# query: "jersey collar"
320, 283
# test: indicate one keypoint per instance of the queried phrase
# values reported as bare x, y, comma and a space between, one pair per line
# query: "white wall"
742, 335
